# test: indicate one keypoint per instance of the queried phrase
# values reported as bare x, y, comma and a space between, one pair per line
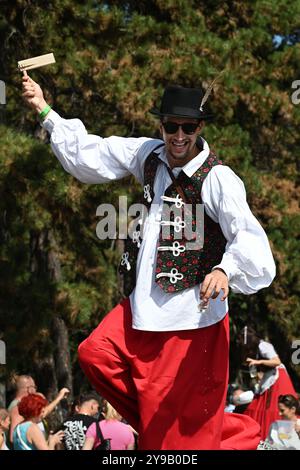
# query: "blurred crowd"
91, 423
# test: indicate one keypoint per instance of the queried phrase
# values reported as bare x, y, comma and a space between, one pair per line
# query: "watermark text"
173, 221
296, 353
2, 92
296, 94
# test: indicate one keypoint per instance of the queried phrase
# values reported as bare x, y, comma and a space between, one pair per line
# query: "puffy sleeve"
93, 159
267, 350
248, 260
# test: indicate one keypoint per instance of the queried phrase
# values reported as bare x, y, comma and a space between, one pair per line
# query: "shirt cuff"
51, 120
229, 267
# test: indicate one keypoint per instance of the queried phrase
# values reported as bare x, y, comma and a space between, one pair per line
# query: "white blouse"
247, 261
283, 436
271, 375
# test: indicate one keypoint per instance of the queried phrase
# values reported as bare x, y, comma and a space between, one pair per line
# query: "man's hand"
213, 283
33, 94
63, 393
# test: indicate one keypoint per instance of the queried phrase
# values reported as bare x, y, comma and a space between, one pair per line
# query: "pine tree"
113, 60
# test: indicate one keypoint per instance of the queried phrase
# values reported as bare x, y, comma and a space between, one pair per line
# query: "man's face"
90, 407
180, 142
28, 386
94, 407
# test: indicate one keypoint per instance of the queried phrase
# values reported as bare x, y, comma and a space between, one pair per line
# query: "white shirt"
266, 350
283, 436
247, 260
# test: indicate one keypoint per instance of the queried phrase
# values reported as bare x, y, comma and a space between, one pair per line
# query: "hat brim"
203, 116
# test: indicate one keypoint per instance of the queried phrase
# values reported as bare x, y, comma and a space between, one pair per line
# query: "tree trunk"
54, 371
60, 337
45, 376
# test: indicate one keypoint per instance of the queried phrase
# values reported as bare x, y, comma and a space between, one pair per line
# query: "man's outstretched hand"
32, 93
212, 285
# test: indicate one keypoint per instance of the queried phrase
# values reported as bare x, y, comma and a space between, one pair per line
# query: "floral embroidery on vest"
189, 266
178, 268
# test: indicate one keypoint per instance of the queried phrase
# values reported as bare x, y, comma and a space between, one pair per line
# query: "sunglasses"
187, 127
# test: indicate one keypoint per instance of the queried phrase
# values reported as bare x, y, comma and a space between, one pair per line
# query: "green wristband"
45, 111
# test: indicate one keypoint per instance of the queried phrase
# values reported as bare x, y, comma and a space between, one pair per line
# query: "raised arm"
63, 393
88, 157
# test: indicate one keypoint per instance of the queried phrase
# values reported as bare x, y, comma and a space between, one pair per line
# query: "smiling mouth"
179, 145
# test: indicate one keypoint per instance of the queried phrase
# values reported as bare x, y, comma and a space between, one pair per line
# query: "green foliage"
113, 61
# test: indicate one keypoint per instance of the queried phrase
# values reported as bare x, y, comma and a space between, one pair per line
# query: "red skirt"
170, 386
264, 408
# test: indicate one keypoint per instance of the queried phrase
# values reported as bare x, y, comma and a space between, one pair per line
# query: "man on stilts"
161, 356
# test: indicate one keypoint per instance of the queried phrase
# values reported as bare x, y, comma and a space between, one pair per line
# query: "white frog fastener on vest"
177, 200
176, 248
136, 238
147, 194
174, 275
125, 260
178, 223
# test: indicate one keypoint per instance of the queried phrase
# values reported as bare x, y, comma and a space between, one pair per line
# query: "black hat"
179, 101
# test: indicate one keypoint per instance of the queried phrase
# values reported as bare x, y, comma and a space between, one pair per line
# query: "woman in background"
112, 428
24, 385
282, 436
27, 435
273, 379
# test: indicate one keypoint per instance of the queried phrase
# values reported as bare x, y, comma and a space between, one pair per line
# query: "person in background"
25, 385
284, 434
273, 379
241, 399
238, 399
85, 411
4, 428
27, 435
229, 406
120, 434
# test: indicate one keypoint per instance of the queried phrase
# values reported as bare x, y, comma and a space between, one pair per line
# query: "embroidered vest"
180, 263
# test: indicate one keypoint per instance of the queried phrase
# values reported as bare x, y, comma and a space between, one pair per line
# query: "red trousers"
170, 386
